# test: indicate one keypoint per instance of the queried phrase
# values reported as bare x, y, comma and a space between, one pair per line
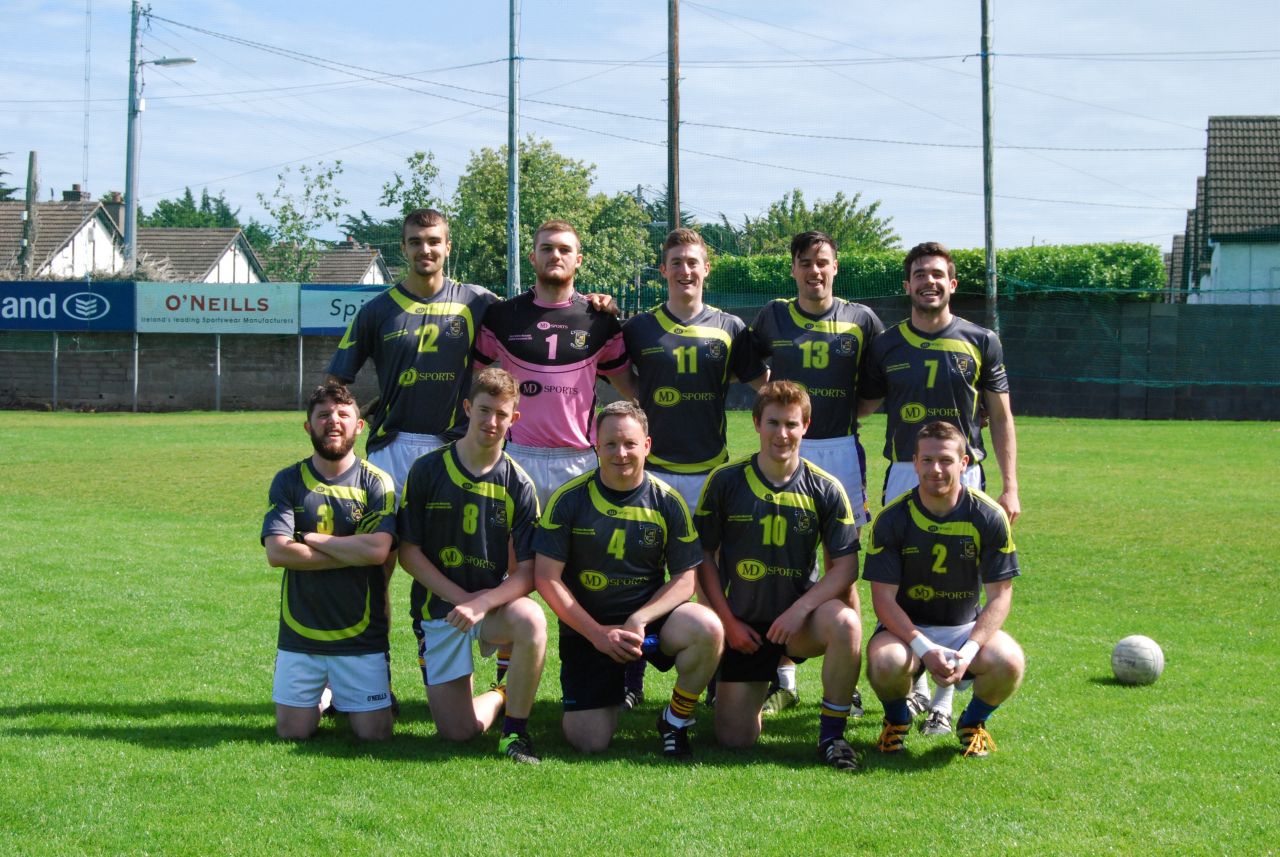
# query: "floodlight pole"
513, 155
988, 168
673, 114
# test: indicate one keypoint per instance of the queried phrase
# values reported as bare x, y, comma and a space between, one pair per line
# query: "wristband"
969, 650
922, 646
302, 537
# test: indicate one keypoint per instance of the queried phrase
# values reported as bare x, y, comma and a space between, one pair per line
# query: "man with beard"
554, 344
330, 525
937, 366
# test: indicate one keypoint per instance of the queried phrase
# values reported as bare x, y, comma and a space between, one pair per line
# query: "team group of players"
509, 481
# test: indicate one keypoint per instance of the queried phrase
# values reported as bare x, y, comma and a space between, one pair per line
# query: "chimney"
75, 194
114, 206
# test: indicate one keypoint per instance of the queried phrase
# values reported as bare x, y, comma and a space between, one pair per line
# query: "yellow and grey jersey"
940, 564
335, 611
824, 354
684, 370
463, 523
768, 535
421, 350
616, 546
927, 377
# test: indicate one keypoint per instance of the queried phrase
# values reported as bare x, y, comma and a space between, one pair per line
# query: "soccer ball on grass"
1137, 660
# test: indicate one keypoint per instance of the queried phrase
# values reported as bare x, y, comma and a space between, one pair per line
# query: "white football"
1137, 660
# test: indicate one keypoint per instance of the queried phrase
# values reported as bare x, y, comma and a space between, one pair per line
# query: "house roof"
1242, 178
56, 222
347, 263
1178, 266
192, 251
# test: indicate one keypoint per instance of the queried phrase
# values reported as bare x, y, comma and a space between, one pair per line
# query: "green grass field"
139, 636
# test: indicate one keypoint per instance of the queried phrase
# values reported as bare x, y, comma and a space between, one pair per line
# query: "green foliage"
552, 186
383, 235
863, 273
415, 191
295, 216
6, 191
849, 224
212, 211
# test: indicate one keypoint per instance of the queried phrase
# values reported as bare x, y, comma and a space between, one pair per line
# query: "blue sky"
765, 89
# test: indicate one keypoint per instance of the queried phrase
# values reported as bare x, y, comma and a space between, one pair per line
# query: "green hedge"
1135, 269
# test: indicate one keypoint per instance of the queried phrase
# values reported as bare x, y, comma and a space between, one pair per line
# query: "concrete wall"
1067, 358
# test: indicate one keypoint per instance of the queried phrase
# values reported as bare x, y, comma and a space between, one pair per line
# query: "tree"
293, 251
6, 191
552, 186
851, 226
383, 235
212, 211
415, 192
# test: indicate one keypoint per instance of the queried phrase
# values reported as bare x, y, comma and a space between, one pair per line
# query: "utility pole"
30, 228
131, 151
988, 182
673, 114
513, 155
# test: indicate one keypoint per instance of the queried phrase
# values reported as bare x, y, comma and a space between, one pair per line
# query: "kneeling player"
466, 505
930, 549
603, 545
330, 525
765, 515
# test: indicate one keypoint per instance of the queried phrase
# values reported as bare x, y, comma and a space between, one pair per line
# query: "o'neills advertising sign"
217, 308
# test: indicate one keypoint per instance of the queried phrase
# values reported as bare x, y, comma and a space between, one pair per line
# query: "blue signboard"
329, 309
66, 306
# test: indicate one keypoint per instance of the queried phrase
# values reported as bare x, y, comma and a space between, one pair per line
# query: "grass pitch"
139, 634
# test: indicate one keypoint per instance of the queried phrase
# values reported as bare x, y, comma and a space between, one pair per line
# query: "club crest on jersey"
962, 365
500, 516
454, 328
715, 349
578, 339
846, 345
650, 536
805, 522
355, 513
968, 549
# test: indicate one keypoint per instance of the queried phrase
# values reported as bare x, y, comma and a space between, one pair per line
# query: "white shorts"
839, 457
551, 466
444, 652
398, 456
359, 682
902, 477
948, 636
687, 485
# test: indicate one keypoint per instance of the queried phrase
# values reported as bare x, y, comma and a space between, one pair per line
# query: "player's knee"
457, 731
374, 729
289, 731
847, 628
885, 664
587, 742
736, 735
529, 622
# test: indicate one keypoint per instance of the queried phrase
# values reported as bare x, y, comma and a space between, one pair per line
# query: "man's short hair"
338, 394
940, 430
784, 393
556, 226
928, 248
495, 382
424, 217
622, 408
812, 238
683, 237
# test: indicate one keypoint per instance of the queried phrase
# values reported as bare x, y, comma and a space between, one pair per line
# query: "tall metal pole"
513, 155
30, 226
131, 152
988, 181
673, 114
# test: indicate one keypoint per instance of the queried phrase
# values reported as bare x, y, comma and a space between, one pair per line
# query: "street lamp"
131, 150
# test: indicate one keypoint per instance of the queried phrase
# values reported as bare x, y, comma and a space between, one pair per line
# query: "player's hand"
620, 644
1011, 504
940, 662
741, 637
786, 626
603, 303
464, 616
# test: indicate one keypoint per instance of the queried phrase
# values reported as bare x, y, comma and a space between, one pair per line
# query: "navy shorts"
591, 679
760, 665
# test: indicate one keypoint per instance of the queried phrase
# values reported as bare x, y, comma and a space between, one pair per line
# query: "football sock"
942, 698
787, 677
504, 661
516, 725
896, 711
976, 712
832, 720
921, 685
681, 707
501, 690
633, 675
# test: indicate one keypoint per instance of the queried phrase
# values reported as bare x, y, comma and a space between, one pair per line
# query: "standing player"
603, 546
820, 342
764, 516
554, 344
331, 525
937, 366
930, 549
684, 353
465, 506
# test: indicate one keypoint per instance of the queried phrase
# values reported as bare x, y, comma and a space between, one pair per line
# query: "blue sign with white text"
66, 306
328, 309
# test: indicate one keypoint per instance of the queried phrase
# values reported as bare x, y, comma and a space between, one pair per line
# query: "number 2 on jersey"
939, 559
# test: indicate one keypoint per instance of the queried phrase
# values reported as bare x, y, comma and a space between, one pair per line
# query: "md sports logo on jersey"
913, 412
666, 397
593, 580
922, 592
451, 557
751, 569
